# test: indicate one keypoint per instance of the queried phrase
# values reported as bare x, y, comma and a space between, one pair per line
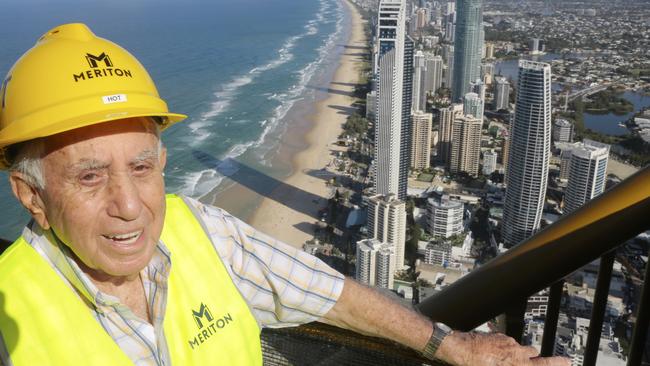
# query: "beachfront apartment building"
387, 223
393, 82
468, 46
421, 149
587, 174
465, 145
375, 263
530, 150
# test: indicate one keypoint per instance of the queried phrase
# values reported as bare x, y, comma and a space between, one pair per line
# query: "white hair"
27, 161
28, 155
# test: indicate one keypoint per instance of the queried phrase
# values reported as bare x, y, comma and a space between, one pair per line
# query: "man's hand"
495, 349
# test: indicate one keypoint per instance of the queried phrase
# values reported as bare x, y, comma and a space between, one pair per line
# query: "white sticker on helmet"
116, 98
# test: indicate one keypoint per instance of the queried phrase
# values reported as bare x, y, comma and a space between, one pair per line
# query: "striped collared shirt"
283, 286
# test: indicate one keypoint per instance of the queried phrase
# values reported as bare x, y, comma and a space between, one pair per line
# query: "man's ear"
163, 158
29, 197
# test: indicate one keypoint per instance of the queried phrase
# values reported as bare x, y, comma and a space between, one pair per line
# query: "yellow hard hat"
71, 79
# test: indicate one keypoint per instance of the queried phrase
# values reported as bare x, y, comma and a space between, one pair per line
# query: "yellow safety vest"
207, 322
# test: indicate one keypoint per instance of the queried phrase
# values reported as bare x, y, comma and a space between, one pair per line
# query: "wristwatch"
440, 331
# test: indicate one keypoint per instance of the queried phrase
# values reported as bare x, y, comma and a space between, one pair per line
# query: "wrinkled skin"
103, 196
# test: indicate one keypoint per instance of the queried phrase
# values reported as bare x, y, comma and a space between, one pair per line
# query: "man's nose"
124, 195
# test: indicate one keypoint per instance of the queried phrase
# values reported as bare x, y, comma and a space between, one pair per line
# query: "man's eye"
89, 178
142, 168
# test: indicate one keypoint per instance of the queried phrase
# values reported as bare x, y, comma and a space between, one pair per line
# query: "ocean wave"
288, 99
228, 91
198, 184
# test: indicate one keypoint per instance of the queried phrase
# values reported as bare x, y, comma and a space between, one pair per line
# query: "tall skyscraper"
468, 46
387, 223
375, 263
446, 117
466, 145
473, 105
505, 146
587, 174
421, 149
393, 72
530, 143
433, 78
419, 82
448, 56
501, 93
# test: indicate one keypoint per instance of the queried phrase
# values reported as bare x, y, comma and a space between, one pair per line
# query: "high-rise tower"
501, 93
433, 78
419, 82
468, 44
393, 73
421, 149
530, 135
446, 117
587, 174
387, 223
465, 145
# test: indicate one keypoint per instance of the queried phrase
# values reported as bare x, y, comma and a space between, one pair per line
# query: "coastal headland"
290, 209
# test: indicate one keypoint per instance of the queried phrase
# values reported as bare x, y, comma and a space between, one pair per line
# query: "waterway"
609, 123
603, 123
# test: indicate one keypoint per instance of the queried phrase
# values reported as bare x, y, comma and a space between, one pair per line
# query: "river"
603, 123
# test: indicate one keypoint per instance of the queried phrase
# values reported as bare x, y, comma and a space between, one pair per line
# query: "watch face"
443, 328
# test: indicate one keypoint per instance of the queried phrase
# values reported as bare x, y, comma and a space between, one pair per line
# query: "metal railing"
504, 284
324, 345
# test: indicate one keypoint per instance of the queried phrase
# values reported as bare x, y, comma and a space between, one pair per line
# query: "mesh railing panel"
324, 345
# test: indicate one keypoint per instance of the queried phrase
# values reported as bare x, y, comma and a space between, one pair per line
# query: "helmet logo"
4, 90
100, 66
93, 60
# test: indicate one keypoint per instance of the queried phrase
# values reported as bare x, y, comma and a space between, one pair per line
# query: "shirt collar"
61, 258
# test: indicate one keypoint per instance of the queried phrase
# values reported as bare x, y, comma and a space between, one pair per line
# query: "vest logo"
207, 325
204, 312
92, 60
100, 66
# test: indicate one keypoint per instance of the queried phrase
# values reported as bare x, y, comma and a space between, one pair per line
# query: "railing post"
552, 316
515, 319
599, 308
640, 335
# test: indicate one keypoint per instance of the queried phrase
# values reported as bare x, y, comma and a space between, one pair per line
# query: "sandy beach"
289, 216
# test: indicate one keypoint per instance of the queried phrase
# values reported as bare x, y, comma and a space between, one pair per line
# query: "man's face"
104, 194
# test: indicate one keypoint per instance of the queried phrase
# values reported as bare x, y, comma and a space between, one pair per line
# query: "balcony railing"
321, 344
502, 286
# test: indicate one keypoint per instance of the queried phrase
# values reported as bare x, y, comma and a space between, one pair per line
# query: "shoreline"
288, 207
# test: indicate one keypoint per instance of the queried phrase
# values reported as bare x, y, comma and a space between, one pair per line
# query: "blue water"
609, 123
236, 67
604, 123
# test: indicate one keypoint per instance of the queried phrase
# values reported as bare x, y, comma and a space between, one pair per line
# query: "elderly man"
110, 271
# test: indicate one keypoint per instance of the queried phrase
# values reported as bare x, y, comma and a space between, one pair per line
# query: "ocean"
238, 68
